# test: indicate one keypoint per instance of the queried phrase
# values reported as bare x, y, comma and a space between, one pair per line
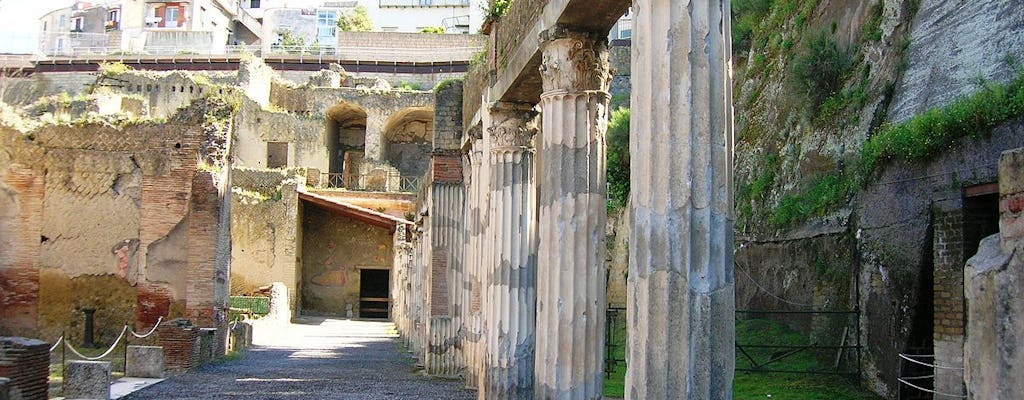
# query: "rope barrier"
905, 357
955, 396
55, 344
107, 353
158, 321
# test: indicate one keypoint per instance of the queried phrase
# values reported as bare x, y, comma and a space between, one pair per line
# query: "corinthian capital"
513, 125
574, 61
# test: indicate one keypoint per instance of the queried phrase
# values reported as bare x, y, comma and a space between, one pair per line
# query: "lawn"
761, 385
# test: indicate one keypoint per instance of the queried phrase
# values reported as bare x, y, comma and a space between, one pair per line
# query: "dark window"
277, 154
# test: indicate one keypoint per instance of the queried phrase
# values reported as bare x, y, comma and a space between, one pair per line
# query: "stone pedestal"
571, 255
145, 362
680, 284
511, 273
87, 380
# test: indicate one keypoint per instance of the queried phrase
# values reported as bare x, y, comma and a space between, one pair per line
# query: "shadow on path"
312, 359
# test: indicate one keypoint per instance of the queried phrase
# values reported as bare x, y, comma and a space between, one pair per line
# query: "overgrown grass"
759, 385
939, 129
618, 159
819, 69
823, 195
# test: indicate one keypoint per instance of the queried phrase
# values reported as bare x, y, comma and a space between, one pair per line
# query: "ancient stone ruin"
475, 214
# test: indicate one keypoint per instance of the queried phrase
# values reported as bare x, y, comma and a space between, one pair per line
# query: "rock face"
994, 280
953, 44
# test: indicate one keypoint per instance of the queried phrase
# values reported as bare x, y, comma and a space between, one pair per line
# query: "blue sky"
19, 23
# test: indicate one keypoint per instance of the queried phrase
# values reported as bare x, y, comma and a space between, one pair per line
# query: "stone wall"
908, 226
265, 231
448, 116
108, 217
995, 299
334, 251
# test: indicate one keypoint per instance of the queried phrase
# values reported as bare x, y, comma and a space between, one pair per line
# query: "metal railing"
372, 182
303, 53
424, 3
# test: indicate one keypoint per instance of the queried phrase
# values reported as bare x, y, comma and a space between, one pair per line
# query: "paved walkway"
314, 359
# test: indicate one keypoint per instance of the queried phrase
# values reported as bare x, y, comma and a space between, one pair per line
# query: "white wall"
401, 19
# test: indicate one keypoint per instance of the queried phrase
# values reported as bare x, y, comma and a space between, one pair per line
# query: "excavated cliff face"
879, 243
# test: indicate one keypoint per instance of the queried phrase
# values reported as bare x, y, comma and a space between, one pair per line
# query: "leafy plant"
819, 68
496, 9
114, 68
746, 15
618, 158
355, 20
433, 29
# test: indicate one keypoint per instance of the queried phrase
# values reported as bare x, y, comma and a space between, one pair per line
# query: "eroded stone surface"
87, 380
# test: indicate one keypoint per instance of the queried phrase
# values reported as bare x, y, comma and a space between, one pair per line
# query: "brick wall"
447, 168
949, 279
180, 340
19, 263
203, 219
26, 362
949, 318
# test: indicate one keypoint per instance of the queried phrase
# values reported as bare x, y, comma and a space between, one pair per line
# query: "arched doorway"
346, 143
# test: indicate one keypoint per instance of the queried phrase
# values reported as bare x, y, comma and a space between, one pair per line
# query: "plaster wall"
334, 249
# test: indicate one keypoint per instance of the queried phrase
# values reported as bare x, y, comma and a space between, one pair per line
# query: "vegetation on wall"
433, 29
355, 20
819, 68
618, 159
939, 129
496, 9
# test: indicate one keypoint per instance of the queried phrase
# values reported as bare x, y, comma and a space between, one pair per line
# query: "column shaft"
571, 255
680, 282
471, 305
511, 277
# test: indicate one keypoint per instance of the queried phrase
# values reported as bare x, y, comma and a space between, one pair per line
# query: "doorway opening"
374, 293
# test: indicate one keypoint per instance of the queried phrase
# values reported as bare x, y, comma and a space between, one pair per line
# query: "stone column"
680, 285
475, 228
510, 300
571, 255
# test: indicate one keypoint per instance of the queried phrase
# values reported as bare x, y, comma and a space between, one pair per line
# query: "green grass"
824, 194
938, 130
758, 385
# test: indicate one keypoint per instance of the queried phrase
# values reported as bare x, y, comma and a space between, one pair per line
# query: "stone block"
145, 362
87, 380
1011, 172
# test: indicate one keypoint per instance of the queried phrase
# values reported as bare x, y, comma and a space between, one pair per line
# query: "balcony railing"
424, 3
372, 182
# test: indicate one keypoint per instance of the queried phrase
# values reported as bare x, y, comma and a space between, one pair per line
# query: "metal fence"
424, 3
251, 305
615, 339
311, 52
833, 343
372, 182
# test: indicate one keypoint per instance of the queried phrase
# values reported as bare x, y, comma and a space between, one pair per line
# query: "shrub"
355, 20
433, 29
819, 68
618, 158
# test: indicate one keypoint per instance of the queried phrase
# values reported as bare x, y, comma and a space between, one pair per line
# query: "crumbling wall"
92, 198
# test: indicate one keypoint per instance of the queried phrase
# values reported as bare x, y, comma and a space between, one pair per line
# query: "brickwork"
439, 302
180, 340
949, 278
446, 168
26, 363
20, 224
204, 215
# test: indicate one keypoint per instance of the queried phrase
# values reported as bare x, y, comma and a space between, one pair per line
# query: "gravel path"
314, 359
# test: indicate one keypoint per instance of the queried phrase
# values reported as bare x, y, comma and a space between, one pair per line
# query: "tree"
355, 20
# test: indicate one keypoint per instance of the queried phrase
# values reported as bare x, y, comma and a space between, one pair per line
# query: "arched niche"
408, 140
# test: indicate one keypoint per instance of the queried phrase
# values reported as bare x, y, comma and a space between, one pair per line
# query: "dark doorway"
374, 293
981, 220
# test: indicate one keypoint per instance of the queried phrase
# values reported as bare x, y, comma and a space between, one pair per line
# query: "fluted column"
680, 283
511, 274
471, 332
570, 269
